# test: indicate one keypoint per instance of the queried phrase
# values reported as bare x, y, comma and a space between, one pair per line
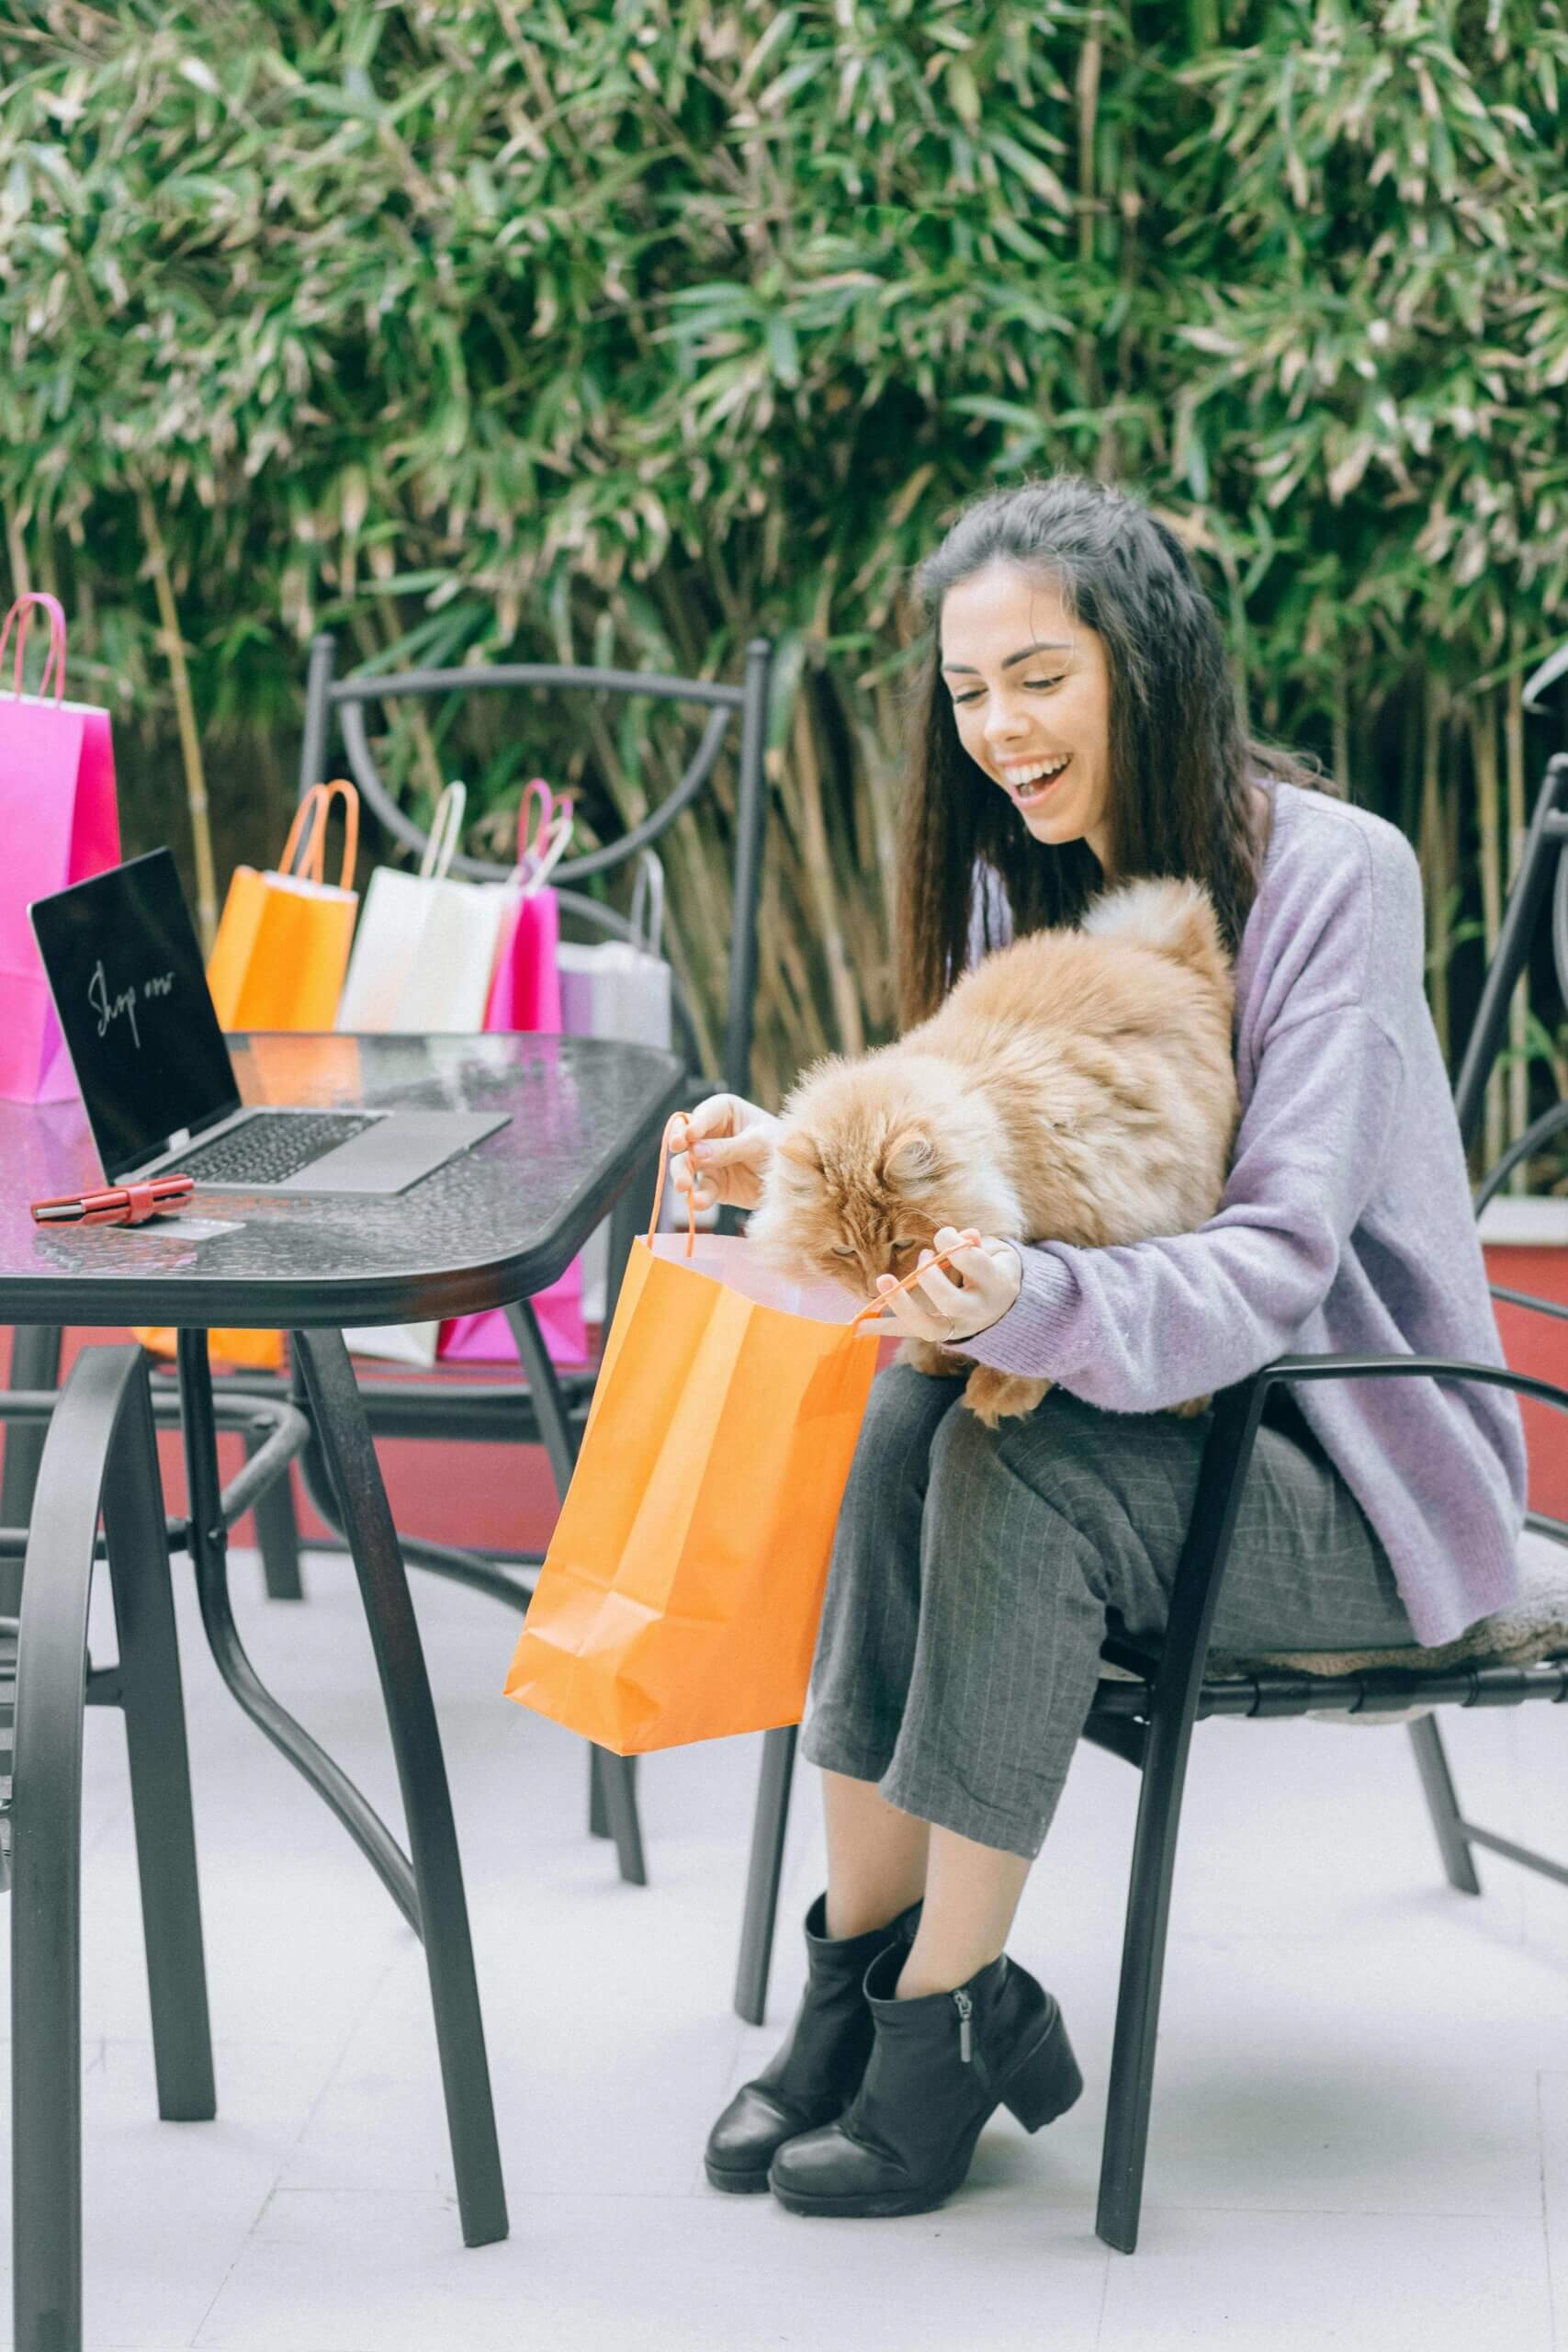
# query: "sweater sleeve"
1135, 1327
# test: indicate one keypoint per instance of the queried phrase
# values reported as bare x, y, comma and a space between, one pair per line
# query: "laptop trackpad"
396, 1152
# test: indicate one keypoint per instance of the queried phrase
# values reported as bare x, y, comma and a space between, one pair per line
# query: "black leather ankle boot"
938, 2067
818, 2071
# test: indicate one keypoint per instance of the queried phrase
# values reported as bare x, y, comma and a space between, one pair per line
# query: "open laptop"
154, 1066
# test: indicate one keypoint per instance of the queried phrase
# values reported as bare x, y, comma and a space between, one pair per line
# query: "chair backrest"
1544, 865
329, 697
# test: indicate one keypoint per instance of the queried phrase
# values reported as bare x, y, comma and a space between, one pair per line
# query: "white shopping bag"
449, 937
426, 947
422, 961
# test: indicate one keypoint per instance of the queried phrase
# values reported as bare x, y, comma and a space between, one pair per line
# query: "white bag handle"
446, 833
648, 901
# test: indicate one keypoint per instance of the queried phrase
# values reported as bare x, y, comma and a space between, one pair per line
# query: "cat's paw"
994, 1397
1191, 1410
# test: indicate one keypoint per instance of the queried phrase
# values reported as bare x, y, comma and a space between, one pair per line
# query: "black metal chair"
98, 1458
1148, 1718
546, 1406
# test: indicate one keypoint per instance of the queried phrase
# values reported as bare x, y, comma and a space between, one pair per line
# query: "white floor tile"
1296, 2282
166, 2207
646, 2275
1554, 2185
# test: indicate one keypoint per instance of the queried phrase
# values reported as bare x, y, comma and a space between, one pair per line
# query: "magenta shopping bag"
525, 991
59, 823
525, 995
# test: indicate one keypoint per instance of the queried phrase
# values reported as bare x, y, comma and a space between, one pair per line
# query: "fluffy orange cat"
1077, 1086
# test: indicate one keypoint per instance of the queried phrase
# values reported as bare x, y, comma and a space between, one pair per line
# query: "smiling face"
1031, 692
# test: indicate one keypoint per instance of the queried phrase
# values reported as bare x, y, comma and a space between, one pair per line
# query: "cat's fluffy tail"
1174, 917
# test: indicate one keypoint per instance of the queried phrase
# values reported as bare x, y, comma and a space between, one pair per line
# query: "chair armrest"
1523, 1298
1392, 1367
1222, 1475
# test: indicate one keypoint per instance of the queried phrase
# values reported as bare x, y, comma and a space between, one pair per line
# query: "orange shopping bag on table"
681, 1595
278, 963
282, 947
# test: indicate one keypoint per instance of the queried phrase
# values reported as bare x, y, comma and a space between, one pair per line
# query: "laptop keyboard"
270, 1146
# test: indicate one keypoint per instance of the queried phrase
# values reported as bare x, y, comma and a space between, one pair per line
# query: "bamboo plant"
622, 330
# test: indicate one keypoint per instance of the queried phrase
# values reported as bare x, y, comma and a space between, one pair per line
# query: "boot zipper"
965, 2008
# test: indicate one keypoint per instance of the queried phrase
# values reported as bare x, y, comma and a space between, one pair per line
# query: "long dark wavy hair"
1179, 761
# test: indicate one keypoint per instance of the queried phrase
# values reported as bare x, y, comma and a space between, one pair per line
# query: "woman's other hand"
731, 1143
943, 1309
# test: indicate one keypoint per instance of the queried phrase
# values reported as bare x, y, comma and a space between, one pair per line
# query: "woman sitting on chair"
975, 1569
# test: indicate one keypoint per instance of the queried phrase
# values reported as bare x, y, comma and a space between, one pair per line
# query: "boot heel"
1046, 2083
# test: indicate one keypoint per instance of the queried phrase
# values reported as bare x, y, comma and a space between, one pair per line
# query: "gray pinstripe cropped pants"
974, 1570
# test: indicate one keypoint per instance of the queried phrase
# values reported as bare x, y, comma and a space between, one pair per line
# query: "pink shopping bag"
525, 995
59, 823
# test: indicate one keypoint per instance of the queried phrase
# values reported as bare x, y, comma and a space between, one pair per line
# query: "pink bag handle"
541, 865
966, 1240
528, 850
55, 664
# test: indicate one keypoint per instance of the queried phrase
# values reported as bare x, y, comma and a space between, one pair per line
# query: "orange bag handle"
676, 1119
307, 807
308, 839
966, 1240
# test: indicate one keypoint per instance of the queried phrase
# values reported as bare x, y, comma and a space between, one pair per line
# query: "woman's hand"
732, 1143
959, 1300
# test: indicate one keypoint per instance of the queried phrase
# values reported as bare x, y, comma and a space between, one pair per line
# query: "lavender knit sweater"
1345, 1225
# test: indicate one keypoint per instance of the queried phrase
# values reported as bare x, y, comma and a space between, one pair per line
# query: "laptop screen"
127, 977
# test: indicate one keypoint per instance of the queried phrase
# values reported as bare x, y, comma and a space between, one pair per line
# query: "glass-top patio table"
488, 1229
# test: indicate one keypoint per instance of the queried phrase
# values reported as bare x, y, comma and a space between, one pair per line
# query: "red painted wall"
1538, 1344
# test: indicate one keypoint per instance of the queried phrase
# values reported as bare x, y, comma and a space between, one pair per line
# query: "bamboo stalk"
1091, 53
807, 1036
819, 873
1410, 739
1341, 721
1484, 746
1434, 865
1519, 1006
184, 711
405, 721
17, 549
427, 760
886, 729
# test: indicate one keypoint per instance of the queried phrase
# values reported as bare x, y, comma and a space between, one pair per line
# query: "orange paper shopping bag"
282, 947
681, 1595
278, 963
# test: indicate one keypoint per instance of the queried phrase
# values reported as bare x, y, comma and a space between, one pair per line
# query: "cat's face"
862, 1178
850, 1216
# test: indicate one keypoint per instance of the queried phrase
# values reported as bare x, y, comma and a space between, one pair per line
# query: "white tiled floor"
1361, 2131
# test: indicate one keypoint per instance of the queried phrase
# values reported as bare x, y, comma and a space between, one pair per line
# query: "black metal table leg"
209, 1561
35, 1364
151, 1698
100, 1451
344, 1437
277, 1531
